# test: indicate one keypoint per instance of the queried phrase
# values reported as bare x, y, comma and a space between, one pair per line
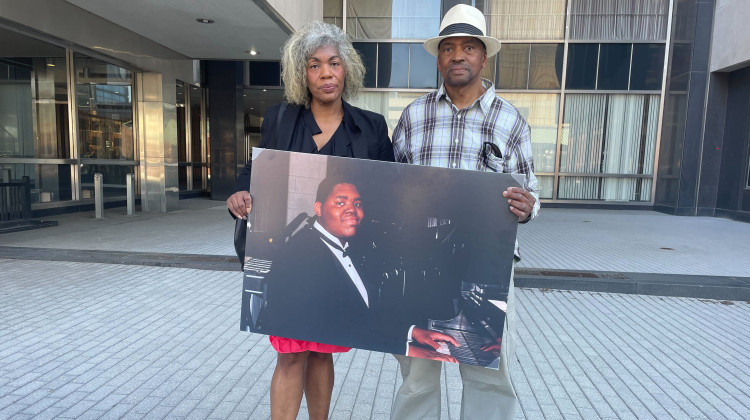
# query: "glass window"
369, 53
33, 107
619, 20
582, 66
396, 19
182, 141
448, 4
526, 19
422, 68
541, 111
265, 73
333, 11
49, 183
114, 180
388, 104
393, 65
614, 66
546, 185
545, 66
489, 71
608, 134
513, 70
105, 109
198, 155
648, 67
680, 68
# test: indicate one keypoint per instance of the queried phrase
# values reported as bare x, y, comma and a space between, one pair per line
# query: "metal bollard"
98, 196
130, 182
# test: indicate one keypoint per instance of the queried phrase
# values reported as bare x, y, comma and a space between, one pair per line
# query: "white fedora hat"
463, 20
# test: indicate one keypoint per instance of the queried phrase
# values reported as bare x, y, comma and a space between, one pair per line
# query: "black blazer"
370, 140
311, 297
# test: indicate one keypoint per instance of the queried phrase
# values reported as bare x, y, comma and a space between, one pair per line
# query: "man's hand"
423, 353
430, 338
521, 202
240, 204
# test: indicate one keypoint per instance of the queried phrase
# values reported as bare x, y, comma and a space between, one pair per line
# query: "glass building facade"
636, 104
66, 115
593, 95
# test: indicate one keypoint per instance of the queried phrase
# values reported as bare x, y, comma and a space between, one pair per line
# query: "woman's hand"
240, 204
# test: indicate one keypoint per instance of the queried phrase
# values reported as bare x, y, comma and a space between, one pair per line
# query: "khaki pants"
487, 393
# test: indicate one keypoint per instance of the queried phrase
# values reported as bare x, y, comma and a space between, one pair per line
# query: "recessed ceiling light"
252, 52
265, 90
205, 20
50, 65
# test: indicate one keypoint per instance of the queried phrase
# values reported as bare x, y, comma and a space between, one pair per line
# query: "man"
464, 125
340, 303
314, 280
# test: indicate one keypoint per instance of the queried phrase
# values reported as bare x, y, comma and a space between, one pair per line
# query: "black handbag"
240, 224
240, 238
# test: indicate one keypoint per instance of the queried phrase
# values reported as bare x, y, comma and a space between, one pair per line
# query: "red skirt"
290, 345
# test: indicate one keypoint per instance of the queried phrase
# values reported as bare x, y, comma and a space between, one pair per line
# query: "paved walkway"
93, 340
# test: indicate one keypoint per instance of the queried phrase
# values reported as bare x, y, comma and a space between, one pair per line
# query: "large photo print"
381, 256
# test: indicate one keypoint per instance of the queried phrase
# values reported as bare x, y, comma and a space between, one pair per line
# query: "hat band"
461, 28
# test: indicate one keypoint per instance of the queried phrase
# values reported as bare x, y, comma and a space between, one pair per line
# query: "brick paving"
107, 341
89, 340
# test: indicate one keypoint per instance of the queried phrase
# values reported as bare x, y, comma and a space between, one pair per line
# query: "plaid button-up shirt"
433, 131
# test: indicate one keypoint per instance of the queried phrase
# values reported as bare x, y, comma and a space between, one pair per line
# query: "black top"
362, 135
302, 137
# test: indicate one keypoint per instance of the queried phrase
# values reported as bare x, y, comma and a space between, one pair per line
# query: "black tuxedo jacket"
311, 297
369, 141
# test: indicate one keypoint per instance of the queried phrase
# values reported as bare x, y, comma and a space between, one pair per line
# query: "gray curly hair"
301, 46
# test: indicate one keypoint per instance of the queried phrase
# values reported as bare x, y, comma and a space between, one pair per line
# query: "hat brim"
492, 44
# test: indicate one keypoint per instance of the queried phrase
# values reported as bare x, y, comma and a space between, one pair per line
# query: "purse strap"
282, 108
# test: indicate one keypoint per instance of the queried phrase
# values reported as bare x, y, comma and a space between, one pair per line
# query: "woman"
321, 69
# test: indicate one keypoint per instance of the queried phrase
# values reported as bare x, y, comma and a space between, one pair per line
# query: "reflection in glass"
489, 71
545, 66
33, 107
422, 69
546, 185
614, 66
105, 109
369, 53
671, 148
608, 134
679, 76
197, 145
648, 67
393, 65
541, 111
113, 180
182, 141
49, 183
526, 19
582, 66
513, 69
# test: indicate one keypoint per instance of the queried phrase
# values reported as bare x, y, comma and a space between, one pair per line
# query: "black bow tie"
334, 244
